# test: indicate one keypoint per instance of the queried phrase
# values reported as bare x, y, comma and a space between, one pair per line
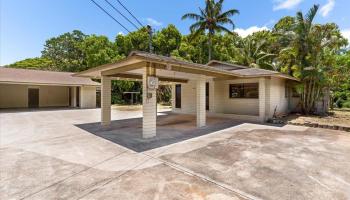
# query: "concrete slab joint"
149, 102
105, 101
200, 98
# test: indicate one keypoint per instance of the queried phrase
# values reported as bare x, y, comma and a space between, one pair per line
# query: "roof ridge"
226, 63
24, 69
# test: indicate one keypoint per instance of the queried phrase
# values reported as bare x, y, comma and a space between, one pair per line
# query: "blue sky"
26, 24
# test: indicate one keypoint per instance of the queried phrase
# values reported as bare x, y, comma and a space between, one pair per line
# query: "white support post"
105, 101
149, 105
74, 97
262, 99
200, 93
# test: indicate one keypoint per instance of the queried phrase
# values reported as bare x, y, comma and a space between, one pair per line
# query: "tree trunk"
209, 46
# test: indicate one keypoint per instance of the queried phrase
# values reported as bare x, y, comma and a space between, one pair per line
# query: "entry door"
207, 96
78, 97
178, 96
33, 97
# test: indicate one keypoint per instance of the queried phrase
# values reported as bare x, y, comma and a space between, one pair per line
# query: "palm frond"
196, 33
204, 14
229, 13
192, 16
196, 25
311, 14
224, 21
222, 28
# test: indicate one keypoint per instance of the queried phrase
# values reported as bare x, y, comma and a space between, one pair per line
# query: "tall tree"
98, 50
167, 40
212, 19
38, 63
314, 45
137, 40
65, 51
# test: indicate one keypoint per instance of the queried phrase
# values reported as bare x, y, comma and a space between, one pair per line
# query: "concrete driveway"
45, 155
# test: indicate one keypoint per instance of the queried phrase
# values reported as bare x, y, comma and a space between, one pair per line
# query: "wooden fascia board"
106, 67
139, 77
124, 68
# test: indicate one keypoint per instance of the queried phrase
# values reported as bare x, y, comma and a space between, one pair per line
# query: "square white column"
262, 99
73, 97
149, 106
105, 101
200, 101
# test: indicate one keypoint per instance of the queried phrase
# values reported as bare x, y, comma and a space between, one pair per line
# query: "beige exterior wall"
13, 96
224, 104
88, 97
16, 96
220, 102
277, 97
53, 96
188, 98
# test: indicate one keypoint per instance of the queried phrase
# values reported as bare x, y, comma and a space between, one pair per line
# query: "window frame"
241, 86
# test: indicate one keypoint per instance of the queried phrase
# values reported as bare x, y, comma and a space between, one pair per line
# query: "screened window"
244, 90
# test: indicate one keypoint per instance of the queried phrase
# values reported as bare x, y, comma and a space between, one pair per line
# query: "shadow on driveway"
171, 128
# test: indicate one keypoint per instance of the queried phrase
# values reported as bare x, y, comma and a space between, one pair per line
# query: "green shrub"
346, 104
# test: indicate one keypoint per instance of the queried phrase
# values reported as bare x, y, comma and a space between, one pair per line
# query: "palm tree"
253, 55
211, 19
303, 30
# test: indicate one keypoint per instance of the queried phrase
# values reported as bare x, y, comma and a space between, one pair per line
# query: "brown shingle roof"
28, 76
150, 57
225, 65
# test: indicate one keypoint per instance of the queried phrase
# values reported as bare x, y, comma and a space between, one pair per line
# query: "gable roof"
248, 71
29, 76
140, 56
225, 65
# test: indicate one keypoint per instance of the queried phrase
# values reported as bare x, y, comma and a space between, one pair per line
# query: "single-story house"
26, 88
217, 88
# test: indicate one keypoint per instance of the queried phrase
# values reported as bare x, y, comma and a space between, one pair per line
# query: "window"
244, 90
177, 96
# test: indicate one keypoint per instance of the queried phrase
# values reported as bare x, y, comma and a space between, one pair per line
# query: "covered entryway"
33, 97
152, 70
26, 88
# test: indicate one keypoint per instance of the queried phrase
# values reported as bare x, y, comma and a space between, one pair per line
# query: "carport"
153, 70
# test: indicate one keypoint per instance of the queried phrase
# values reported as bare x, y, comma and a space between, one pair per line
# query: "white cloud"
286, 4
153, 22
346, 33
250, 30
327, 8
121, 33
